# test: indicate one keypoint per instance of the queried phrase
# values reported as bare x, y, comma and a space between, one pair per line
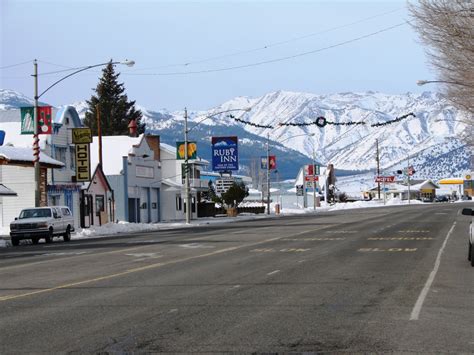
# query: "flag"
44, 120
27, 125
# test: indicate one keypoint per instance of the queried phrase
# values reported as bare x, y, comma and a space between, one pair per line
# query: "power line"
274, 44
15, 65
280, 59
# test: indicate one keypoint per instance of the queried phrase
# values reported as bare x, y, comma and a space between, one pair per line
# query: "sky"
199, 54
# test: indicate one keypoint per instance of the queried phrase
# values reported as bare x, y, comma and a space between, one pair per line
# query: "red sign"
384, 178
310, 178
44, 120
272, 162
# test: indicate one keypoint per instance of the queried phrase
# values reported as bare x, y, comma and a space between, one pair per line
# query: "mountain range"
430, 139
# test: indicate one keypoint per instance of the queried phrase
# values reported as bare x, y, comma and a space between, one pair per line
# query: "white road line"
273, 272
301, 261
415, 313
173, 310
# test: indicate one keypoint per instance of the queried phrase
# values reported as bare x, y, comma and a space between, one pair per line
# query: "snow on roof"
26, 155
113, 149
168, 147
14, 137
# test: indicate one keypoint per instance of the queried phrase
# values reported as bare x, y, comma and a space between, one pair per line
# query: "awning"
5, 191
451, 181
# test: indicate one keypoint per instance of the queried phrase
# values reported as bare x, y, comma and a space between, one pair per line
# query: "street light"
187, 189
36, 149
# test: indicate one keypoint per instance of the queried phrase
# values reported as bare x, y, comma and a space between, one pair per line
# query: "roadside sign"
225, 153
312, 169
384, 178
81, 135
299, 190
311, 178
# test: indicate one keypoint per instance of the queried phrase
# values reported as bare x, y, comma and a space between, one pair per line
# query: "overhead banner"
180, 152
81, 135
27, 123
44, 120
225, 153
83, 163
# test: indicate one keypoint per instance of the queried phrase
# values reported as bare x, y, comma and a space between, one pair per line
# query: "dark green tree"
235, 195
115, 111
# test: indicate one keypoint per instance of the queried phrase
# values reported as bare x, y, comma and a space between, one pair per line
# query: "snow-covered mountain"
430, 141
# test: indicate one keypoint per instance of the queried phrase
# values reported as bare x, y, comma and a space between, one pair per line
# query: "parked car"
470, 252
42, 222
442, 198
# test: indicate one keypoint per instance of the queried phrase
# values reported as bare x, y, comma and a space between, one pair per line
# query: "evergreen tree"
115, 111
235, 195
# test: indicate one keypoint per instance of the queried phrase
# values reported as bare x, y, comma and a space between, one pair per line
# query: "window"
179, 204
72, 158
60, 154
99, 203
66, 211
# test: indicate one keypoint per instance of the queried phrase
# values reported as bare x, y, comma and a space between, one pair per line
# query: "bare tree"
447, 29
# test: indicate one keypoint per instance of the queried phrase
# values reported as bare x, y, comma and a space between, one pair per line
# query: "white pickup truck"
42, 222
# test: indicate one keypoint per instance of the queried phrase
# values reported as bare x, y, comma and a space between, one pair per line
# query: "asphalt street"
392, 279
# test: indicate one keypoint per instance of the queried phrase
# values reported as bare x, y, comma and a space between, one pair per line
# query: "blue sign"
2, 137
225, 153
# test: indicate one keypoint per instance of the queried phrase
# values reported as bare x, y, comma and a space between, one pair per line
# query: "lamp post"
36, 148
187, 187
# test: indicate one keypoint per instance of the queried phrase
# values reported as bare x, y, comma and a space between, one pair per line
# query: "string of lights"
250, 123
398, 119
322, 122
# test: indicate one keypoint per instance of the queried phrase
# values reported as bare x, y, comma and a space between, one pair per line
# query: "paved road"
379, 280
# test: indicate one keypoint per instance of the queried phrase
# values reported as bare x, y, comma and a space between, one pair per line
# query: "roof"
5, 191
114, 148
25, 155
172, 150
67, 111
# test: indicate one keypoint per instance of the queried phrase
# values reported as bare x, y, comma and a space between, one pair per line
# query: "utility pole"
268, 173
99, 133
314, 180
36, 148
378, 165
408, 178
186, 172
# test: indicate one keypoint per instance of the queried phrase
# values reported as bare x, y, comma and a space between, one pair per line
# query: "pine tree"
115, 111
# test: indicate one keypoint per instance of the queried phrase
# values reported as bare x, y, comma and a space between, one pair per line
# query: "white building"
133, 169
18, 173
61, 186
173, 194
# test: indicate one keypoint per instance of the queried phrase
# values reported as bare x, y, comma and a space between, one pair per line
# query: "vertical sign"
27, 126
2, 137
192, 150
83, 164
225, 153
44, 120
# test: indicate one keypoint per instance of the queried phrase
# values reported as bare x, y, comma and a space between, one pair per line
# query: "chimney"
154, 144
132, 128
